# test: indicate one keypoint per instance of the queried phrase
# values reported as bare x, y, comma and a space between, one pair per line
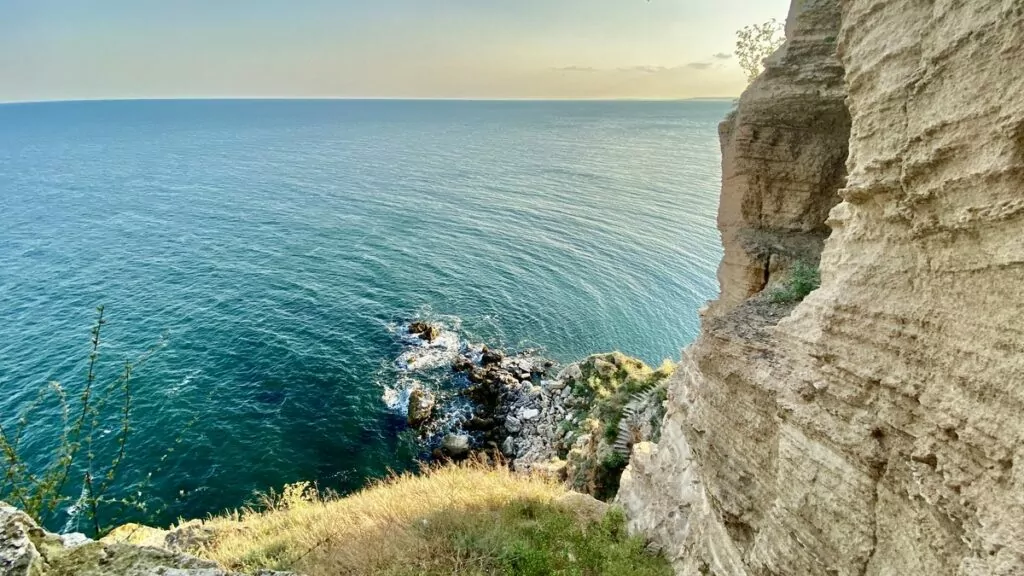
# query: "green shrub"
803, 279
611, 383
611, 427
614, 460
663, 394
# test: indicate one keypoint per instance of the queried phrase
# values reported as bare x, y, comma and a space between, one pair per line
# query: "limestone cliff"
783, 155
878, 427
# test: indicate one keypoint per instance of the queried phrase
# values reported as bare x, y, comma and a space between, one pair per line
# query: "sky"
86, 49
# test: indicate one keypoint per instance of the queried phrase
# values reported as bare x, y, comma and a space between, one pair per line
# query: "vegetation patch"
469, 519
86, 457
803, 279
624, 399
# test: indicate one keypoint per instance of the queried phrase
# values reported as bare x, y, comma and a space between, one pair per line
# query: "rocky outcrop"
783, 155
425, 331
421, 407
28, 550
581, 425
877, 427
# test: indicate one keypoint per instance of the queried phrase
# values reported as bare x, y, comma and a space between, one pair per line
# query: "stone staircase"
629, 423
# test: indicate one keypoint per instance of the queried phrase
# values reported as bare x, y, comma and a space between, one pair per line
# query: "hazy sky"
58, 49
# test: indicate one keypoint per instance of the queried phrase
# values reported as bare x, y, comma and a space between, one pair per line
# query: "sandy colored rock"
878, 427
132, 550
584, 505
783, 156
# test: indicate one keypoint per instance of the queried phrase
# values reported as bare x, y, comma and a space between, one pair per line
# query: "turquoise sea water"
280, 245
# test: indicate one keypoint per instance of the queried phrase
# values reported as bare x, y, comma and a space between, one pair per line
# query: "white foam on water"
396, 396
74, 512
184, 383
422, 355
423, 365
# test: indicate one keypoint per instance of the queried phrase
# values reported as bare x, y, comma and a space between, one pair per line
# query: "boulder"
421, 407
528, 413
570, 372
425, 331
555, 469
604, 368
586, 506
18, 554
455, 446
490, 357
508, 446
478, 424
513, 425
462, 364
507, 380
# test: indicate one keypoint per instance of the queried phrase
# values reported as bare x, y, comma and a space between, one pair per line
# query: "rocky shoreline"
576, 423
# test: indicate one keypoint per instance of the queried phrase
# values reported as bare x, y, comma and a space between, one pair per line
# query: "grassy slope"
455, 520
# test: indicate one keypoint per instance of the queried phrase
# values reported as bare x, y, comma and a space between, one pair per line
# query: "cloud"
667, 69
723, 55
575, 69
642, 69
643, 73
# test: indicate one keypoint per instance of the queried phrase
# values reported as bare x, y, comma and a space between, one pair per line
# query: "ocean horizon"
358, 99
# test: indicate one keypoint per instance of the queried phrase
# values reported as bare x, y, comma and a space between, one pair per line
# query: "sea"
258, 261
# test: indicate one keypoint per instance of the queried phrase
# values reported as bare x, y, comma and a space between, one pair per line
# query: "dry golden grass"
470, 519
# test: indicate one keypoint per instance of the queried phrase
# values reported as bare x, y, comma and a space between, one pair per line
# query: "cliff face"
783, 155
877, 427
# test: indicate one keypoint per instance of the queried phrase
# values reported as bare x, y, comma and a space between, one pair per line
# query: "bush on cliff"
470, 519
803, 279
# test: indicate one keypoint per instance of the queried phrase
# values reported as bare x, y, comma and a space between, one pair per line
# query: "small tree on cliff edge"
756, 42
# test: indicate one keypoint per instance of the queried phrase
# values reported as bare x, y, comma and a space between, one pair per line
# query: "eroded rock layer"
878, 427
783, 156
